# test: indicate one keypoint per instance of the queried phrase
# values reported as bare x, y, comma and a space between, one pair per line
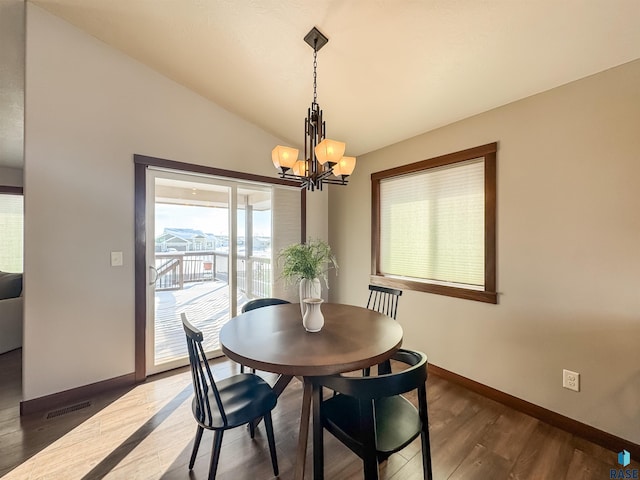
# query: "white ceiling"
392, 68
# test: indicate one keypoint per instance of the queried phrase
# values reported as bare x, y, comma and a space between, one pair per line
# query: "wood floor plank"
412, 470
546, 454
453, 441
509, 434
481, 464
586, 466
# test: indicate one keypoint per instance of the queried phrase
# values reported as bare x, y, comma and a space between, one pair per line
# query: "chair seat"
245, 397
397, 421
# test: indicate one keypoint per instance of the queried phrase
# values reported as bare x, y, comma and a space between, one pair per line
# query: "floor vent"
65, 410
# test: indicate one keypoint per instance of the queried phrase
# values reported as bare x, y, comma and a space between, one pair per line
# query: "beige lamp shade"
329, 151
299, 168
284, 157
345, 166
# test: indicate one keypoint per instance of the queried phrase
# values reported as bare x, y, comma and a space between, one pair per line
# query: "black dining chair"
259, 303
262, 302
371, 417
383, 300
225, 404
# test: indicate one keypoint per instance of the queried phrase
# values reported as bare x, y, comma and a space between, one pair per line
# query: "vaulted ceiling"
392, 68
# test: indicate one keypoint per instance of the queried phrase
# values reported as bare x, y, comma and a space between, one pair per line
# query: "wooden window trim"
10, 190
489, 294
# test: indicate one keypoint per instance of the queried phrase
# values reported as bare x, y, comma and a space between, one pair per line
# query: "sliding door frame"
141, 163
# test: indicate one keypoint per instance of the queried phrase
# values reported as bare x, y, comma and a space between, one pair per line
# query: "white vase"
309, 289
313, 320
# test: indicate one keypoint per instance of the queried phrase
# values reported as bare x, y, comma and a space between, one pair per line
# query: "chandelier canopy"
324, 160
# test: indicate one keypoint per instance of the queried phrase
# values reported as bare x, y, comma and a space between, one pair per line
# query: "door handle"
154, 272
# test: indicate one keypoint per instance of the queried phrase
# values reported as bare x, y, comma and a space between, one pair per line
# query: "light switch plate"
116, 259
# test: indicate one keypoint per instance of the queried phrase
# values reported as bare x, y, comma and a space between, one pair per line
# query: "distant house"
184, 240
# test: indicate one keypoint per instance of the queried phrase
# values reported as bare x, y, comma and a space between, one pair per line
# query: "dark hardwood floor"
147, 432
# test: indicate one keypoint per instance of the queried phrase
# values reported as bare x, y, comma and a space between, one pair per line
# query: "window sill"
457, 292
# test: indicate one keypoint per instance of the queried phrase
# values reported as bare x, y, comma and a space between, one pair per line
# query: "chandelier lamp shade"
323, 161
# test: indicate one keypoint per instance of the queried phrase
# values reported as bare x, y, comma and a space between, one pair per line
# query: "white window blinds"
11, 233
432, 225
286, 227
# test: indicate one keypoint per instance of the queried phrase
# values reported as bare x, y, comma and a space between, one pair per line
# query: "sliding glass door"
210, 249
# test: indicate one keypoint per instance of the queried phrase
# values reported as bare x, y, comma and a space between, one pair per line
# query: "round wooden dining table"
273, 339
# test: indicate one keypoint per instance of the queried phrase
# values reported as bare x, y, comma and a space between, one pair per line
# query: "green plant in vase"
307, 263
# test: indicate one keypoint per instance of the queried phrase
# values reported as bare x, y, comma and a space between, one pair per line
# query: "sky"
207, 219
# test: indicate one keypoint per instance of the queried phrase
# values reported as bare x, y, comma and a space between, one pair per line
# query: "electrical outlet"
571, 380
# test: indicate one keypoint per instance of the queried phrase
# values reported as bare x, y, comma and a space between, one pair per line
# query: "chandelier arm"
335, 181
311, 183
325, 174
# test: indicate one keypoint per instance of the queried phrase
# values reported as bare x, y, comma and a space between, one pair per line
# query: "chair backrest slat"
201, 375
384, 300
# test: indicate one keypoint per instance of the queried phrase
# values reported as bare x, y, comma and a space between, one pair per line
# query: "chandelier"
324, 161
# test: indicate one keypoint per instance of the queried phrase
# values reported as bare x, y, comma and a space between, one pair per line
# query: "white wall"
317, 215
89, 108
568, 248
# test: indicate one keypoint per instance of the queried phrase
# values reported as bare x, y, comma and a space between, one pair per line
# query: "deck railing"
174, 269
254, 276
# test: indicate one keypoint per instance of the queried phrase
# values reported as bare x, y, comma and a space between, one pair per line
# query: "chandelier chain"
315, 65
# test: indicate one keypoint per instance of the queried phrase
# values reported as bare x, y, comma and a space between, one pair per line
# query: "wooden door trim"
141, 164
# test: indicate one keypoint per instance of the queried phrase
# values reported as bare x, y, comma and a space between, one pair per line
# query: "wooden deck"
206, 304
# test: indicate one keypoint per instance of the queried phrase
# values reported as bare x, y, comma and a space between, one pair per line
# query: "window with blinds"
11, 238
434, 225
